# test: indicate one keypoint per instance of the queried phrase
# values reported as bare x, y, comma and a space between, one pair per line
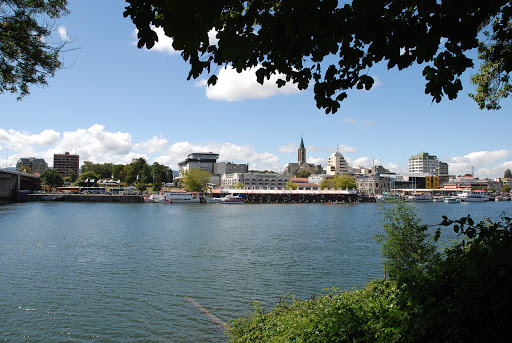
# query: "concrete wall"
8, 186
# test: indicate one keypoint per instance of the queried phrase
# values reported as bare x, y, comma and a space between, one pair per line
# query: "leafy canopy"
52, 178
196, 180
323, 43
27, 54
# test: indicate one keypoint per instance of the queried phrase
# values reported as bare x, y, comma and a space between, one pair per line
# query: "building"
424, 163
374, 184
443, 169
63, 163
304, 184
255, 180
199, 160
336, 164
37, 165
293, 168
230, 168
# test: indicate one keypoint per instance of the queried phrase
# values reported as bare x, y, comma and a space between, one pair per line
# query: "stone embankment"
82, 198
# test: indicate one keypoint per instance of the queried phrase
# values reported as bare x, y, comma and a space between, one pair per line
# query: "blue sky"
114, 102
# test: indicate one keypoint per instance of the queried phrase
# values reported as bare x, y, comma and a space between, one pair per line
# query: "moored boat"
387, 197
228, 199
451, 200
419, 197
155, 198
473, 196
182, 197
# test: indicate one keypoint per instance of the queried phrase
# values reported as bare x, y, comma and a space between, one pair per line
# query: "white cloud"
288, 148
345, 149
364, 161
318, 160
63, 33
164, 43
152, 145
228, 152
489, 164
232, 86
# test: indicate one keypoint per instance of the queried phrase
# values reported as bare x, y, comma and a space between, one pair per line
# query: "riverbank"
82, 198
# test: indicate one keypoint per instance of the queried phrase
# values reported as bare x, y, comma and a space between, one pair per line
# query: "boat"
182, 197
155, 198
439, 199
228, 199
473, 196
387, 197
451, 200
500, 198
419, 197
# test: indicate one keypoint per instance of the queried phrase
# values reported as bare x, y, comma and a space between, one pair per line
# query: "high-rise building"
424, 163
63, 163
37, 165
443, 169
336, 164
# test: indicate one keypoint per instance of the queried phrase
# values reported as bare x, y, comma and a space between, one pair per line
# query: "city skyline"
114, 102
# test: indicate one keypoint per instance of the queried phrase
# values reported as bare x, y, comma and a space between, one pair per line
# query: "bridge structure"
14, 181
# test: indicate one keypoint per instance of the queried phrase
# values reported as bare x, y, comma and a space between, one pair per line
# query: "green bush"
371, 314
460, 295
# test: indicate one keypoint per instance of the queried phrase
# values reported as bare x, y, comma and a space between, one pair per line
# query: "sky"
114, 102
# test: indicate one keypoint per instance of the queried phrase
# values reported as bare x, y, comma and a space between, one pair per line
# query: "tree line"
139, 172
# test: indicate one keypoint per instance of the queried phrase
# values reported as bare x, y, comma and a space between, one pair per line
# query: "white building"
424, 163
336, 164
255, 180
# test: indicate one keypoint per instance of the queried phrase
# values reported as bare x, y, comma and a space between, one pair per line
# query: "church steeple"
302, 152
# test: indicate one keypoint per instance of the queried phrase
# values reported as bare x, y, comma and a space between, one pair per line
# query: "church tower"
302, 152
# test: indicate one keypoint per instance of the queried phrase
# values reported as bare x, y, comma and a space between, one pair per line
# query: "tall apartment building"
424, 163
336, 165
63, 163
38, 165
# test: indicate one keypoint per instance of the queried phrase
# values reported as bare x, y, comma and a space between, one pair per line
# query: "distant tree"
51, 178
145, 174
104, 170
157, 183
28, 55
141, 187
26, 169
196, 180
117, 172
239, 185
507, 174
324, 184
344, 182
291, 185
303, 173
505, 189
90, 175
72, 175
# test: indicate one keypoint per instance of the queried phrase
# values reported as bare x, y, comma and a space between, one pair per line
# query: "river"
82, 272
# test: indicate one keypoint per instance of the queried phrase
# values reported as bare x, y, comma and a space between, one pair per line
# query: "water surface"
77, 272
